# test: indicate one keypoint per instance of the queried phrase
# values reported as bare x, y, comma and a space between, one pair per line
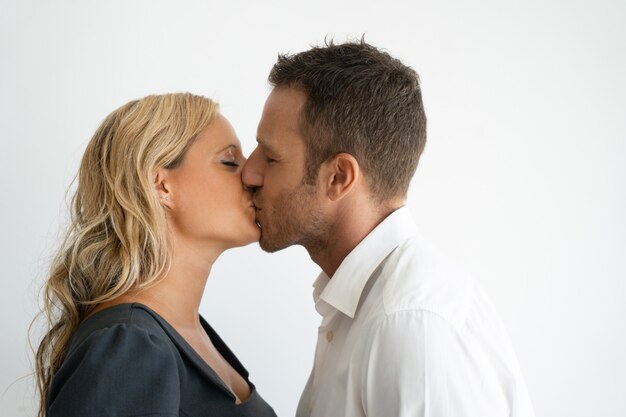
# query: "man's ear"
162, 187
342, 174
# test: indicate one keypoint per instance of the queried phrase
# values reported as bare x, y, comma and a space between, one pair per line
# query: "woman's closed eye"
233, 164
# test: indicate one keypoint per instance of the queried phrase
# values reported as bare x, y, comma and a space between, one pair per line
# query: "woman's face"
208, 205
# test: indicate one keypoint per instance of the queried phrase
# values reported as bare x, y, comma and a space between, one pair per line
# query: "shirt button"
329, 336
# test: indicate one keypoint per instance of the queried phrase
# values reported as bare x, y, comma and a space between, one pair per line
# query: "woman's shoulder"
130, 322
118, 353
123, 337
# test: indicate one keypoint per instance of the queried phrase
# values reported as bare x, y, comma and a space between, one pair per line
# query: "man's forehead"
279, 140
284, 102
278, 130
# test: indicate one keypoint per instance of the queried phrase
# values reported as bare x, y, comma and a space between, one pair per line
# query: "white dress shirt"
405, 333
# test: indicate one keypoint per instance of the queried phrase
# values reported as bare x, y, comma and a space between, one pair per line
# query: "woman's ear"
162, 187
342, 174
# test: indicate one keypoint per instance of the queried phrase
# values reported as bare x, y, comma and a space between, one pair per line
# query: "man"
403, 332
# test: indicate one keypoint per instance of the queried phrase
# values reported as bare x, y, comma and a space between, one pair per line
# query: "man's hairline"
314, 176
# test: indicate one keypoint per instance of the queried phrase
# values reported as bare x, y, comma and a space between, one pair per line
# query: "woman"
159, 198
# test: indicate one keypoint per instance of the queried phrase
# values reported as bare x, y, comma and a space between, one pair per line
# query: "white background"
522, 181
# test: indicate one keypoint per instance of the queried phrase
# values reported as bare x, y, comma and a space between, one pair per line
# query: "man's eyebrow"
263, 144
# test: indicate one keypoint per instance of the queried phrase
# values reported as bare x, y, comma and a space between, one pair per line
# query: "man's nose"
251, 174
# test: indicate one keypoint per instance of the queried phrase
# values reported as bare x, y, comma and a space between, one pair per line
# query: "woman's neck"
177, 295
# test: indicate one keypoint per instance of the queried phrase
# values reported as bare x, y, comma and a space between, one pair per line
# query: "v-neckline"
197, 359
191, 354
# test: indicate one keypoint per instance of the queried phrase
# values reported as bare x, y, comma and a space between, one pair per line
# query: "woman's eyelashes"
232, 157
233, 164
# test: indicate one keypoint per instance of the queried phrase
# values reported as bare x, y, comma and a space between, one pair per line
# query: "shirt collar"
343, 291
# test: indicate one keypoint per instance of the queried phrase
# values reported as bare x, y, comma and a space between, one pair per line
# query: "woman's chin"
256, 235
250, 233
251, 236
255, 232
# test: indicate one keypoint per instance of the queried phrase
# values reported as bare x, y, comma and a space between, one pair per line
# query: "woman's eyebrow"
229, 147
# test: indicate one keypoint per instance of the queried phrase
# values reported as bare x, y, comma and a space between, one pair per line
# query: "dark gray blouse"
127, 361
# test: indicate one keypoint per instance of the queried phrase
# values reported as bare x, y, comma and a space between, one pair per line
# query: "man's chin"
267, 246
271, 245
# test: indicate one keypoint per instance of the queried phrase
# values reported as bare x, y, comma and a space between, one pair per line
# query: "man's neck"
348, 229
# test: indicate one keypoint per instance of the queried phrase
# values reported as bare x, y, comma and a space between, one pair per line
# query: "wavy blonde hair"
117, 237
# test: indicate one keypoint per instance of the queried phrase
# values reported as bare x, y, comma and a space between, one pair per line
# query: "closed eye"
230, 163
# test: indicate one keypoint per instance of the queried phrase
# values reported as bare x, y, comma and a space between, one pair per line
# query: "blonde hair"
117, 239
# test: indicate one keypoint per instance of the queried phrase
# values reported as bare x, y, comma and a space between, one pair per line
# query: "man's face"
288, 210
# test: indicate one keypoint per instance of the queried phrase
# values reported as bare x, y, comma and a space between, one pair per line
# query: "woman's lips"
256, 218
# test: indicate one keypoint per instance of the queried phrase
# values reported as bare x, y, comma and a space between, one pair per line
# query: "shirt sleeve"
119, 371
417, 365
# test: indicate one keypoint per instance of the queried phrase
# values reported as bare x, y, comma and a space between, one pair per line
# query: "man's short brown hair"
361, 101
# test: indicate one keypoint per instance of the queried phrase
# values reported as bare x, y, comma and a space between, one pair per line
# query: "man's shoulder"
417, 277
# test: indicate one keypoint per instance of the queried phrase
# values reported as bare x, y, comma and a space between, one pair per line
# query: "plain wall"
522, 181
